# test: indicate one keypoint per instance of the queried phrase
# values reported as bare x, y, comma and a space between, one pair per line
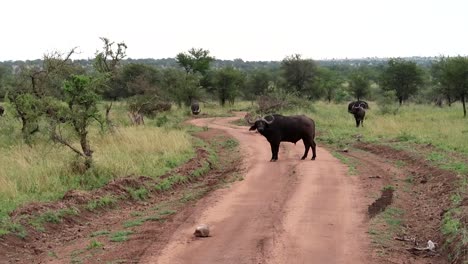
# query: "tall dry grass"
45, 170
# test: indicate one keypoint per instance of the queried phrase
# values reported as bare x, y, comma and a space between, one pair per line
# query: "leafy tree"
30, 89
299, 75
329, 82
180, 87
452, 76
106, 64
195, 61
359, 84
404, 77
258, 82
81, 98
227, 82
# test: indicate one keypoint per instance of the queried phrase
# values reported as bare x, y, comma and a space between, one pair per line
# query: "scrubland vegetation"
74, 125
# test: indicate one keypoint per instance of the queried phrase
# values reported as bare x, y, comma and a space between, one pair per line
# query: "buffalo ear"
253, 127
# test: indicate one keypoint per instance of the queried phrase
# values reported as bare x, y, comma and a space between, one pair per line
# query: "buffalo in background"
286, 128
2, 110
358, 109
195, 107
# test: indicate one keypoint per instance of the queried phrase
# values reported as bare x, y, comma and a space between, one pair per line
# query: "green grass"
421, 124
107, 201
94, 244
45, 171
352, 170
385, 226
120, 236
100, 233
139, 194
53, 217
133, 223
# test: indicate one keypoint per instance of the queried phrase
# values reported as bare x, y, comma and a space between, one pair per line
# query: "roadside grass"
107, 201
45, 171
352, 170
100, 233
385, 226
53, 217
94, 244
443, 127
120, 236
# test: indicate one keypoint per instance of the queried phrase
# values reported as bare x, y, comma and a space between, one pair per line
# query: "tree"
31, 89
196, 61
453, 77
81, 98
359, 84
180, 87
328, 81
299, 75
227, 82
258, 82
404, 77
106, 63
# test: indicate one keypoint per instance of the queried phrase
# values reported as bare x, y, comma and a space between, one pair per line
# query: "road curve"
289, 211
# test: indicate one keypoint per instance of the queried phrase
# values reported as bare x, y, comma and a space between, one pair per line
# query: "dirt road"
290, 211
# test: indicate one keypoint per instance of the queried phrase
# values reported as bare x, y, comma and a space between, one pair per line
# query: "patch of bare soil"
421, 192
86, 237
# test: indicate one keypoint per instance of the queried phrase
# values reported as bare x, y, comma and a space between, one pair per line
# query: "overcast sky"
246, 29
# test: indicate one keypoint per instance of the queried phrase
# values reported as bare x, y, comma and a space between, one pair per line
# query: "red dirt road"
289, 211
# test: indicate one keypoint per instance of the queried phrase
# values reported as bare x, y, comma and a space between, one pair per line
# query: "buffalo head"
260, 123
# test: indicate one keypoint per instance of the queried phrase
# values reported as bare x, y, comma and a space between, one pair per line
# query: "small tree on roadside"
81, 98
404, 77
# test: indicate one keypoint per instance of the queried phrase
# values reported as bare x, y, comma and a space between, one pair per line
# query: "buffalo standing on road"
195, 107
289, 129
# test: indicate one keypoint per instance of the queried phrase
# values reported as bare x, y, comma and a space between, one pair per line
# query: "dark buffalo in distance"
195, 107
359, 113
358, 109
2, 110
362, 104
280, 128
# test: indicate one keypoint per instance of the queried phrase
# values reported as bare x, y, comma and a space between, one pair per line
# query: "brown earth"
289, 211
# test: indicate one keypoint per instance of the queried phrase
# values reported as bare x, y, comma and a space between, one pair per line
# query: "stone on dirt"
202, 231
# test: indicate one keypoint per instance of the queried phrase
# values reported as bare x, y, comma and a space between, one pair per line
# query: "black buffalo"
362, 104
358, 109
2, 110
289, 129
359, 113
195, 107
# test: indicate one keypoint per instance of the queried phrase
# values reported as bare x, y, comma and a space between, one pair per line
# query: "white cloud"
247, 29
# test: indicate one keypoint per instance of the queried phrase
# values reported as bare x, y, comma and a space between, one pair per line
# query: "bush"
387, 104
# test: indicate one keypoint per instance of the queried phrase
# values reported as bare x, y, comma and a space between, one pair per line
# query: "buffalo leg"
357, 122
314, 146
307, 146
274, 151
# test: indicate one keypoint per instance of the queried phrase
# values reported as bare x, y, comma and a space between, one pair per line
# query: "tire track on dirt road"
289, 211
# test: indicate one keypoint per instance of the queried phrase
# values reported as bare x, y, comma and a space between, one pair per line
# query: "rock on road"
289, 211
